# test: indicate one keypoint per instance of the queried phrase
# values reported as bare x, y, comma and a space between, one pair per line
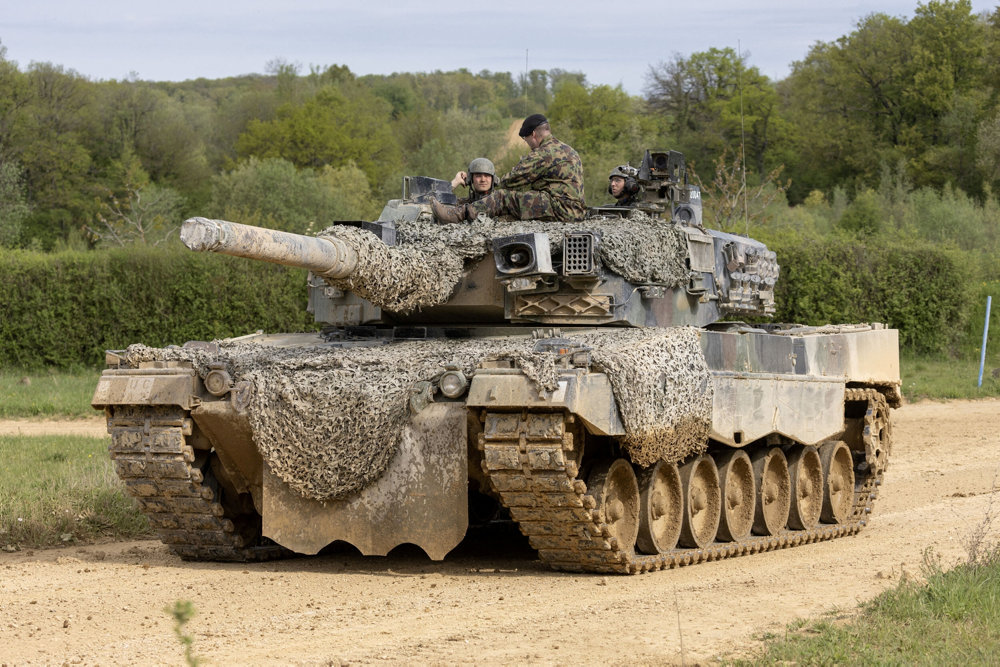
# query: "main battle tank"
580, 379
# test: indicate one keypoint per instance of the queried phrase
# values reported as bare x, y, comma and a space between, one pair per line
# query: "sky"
612, 42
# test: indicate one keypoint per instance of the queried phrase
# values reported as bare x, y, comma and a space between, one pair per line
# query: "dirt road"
105, 604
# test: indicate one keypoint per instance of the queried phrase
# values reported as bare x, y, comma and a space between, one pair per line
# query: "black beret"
530, 123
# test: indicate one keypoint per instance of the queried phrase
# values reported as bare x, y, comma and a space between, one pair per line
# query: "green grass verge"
948, 618
948, 378
47, 394
62, 489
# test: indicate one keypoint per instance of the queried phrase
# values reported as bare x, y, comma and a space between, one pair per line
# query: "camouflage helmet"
482, 166
625, 171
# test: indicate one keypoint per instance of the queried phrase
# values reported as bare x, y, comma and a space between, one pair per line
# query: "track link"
535, 476
176, 489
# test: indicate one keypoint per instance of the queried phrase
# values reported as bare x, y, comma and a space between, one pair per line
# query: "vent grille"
578, 254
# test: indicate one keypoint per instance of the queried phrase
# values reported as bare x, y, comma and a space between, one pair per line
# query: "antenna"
525, 83
743, 142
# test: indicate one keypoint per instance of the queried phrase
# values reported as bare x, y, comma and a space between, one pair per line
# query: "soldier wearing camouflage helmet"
623, 186
547, 183
480, 178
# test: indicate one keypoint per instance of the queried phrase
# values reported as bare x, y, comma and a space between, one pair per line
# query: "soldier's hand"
461, 178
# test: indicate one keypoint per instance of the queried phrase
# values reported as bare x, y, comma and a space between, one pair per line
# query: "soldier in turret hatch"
547, 183
480, 178
623, 186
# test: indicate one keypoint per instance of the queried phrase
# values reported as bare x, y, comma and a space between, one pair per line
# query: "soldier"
479, 178
623, 186
552, 171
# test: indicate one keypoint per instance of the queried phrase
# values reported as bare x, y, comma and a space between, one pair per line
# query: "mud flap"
421, 499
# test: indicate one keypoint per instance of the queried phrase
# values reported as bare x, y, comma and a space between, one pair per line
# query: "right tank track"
177, 490
537, 482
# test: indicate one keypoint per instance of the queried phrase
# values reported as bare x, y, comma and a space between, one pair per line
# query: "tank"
614, 386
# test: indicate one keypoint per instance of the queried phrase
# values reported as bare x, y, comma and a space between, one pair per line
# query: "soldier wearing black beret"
547, 183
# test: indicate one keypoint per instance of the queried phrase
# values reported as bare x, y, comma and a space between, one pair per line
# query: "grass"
947, 378
947, 617
942, 618
47, 393
62, 489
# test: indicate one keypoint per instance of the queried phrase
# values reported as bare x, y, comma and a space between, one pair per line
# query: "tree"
605, 125
274, 193
14, 207
139, 212
714, 101
892, 90
988, 141
733, 202
336, 127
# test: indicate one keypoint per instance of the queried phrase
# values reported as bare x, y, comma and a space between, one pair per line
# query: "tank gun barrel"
324, 256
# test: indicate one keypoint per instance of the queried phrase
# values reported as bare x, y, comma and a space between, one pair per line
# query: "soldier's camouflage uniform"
628, 201
474, 195
554, 174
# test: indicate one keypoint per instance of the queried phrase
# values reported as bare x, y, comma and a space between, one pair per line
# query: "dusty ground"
105, 604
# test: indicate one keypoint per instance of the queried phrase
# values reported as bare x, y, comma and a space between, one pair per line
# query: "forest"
888, 136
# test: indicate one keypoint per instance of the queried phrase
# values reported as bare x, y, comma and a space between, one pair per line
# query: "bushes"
64, 309
920, 289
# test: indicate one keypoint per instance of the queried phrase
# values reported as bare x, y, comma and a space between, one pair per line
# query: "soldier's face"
617, 185
482, 182
532, 141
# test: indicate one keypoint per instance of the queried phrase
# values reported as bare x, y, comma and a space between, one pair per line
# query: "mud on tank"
579, 379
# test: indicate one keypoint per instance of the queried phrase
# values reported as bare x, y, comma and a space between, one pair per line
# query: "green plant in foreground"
182, 612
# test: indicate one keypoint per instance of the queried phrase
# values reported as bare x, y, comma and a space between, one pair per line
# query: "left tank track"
536, 481
177, 490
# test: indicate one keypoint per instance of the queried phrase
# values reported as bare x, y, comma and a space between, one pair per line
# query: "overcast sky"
612, 42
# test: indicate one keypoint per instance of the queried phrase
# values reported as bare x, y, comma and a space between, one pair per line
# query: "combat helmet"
482, 165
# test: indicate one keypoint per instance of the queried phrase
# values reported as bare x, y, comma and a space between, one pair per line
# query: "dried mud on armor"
499, 604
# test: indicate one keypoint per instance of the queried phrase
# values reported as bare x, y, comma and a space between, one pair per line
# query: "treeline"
115, 161
887, 135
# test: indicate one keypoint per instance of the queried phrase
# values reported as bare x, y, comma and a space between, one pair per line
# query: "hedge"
65, 309
920, 289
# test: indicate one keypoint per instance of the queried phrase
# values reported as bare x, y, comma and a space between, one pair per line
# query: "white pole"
982, 353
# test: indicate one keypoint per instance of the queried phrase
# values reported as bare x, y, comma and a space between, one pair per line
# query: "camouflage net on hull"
424, 267
663, 389
328, 420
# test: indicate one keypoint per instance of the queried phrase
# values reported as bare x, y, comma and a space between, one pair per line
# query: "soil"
491, 601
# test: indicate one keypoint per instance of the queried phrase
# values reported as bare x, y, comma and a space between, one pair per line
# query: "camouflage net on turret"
328, 420
424, 267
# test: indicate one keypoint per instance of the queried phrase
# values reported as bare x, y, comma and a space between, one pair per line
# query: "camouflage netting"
663, 389
426, 264
328, 420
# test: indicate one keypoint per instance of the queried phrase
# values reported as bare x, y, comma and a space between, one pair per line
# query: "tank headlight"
218, 382
453, 383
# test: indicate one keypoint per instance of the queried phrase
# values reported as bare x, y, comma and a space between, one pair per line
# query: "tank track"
176, 489
537, 482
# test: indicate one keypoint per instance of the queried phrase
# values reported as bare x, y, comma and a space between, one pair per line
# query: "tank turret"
641, 270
